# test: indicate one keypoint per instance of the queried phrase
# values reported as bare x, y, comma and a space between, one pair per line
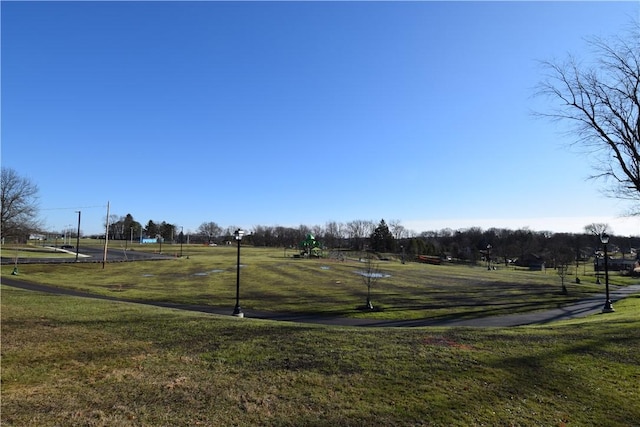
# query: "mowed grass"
34, 251
81, 362
273, 281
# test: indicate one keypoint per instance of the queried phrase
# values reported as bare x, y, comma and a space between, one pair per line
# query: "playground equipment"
310, 247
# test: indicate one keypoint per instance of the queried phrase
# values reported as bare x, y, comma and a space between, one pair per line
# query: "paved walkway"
579, 309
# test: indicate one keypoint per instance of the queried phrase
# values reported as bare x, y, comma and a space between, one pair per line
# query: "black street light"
488, 257
181, 239
78, 237
237, 311
608, 308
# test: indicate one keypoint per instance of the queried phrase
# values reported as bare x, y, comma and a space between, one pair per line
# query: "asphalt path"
582, 308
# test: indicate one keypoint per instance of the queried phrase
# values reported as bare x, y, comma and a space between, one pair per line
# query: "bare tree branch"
601, 103
18, 197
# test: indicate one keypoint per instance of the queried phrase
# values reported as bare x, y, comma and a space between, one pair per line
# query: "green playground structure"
310, 247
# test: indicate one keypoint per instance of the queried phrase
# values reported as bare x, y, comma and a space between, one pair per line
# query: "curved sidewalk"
582, 308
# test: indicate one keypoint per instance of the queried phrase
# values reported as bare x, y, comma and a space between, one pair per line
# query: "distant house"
531, 261
615, 264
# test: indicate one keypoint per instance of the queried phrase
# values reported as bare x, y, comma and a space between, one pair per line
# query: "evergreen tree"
151, 230
381, 239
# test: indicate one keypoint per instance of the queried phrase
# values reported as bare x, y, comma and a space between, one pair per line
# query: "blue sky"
289, 113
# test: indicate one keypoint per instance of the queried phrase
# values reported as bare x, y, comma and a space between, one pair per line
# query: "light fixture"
237, 311
608, 307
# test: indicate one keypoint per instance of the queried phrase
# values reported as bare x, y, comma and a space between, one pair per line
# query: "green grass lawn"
272, 280
33, 251
81, 362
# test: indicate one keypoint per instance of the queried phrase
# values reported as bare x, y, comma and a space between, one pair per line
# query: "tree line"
467, 245
497, 245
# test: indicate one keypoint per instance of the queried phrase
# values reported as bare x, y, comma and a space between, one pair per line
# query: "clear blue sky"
289, 113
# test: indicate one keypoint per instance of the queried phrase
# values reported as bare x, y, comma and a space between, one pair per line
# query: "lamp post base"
237, 312
608, 308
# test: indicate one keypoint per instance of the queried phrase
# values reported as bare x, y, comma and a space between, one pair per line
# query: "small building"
532, 261
615, 264
156, 239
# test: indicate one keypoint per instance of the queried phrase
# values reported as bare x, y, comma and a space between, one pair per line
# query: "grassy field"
81, 362
34, 251
273, 281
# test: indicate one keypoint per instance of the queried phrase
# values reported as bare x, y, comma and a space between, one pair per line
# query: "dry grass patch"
70, 361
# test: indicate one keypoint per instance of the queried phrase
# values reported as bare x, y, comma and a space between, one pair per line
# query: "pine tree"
381, 239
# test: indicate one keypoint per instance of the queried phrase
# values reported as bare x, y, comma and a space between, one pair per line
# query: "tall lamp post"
181, 239
608, 308
78, 237
488, 257
237, 311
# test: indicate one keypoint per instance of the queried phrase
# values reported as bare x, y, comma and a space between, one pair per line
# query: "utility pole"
106, 238
78, 237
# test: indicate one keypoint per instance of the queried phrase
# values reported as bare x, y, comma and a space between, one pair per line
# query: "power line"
74, 208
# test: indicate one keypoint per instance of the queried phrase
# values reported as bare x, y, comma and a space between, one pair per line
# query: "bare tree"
370, 276
209, 229
358, 231
18, 196
597, 229
397, 229
564, 270
561, 252
334, 234
601, 101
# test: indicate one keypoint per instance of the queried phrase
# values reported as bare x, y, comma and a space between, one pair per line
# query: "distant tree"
578, 240
560, 248
358, 231
261, 234
601, 99
151, 229
318, 232
502, 239
131, 226
114, 226
167, 231
523, 243
301, 233
596, 229
123, 227
563, 257
421, 246
334, 234
210, 229
471, 243
397, 230
381, 239
286, 236
228, 234
18, 197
